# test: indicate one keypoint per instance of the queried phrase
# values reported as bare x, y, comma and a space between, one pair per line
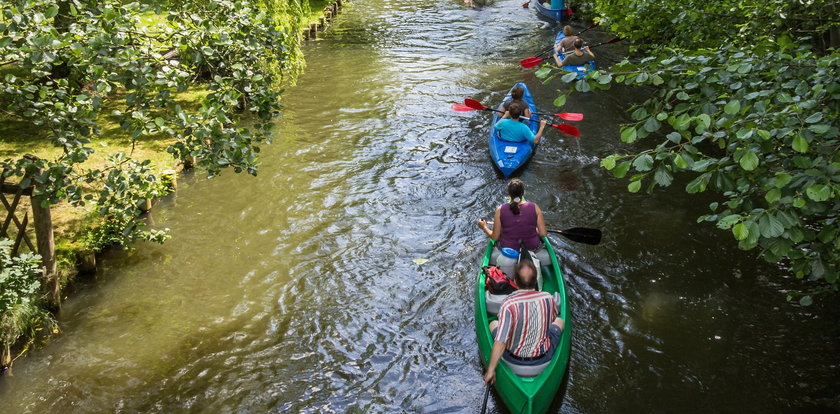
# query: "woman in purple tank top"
515, 222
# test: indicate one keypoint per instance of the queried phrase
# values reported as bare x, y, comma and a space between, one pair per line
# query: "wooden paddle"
578, 234
473, 104
534, 61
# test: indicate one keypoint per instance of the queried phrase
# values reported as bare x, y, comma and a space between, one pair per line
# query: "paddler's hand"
490, 377
482, 224
543, 123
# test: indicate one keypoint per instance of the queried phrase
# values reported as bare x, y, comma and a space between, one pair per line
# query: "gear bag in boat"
497, 282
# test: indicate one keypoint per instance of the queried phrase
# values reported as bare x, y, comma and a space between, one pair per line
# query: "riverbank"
78, 229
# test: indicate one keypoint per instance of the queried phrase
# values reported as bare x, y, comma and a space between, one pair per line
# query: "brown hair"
567, 30
522, 282
515, 111
517, 93
515, 189
578, 43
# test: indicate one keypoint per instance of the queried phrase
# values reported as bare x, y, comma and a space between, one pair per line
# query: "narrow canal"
297, 291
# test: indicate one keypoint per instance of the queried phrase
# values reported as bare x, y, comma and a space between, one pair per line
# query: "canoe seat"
494, 302
526, 370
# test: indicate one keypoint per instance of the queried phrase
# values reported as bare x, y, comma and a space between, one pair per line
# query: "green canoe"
526, 394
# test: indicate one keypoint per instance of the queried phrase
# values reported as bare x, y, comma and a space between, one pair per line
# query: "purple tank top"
522, 226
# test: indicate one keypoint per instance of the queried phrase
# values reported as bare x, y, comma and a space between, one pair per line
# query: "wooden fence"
15, 228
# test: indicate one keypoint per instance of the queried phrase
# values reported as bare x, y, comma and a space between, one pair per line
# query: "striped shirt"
524, 319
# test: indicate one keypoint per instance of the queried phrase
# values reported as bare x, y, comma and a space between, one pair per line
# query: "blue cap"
508, 252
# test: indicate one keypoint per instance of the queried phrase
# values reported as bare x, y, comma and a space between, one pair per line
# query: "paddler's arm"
497, 228
541, 230
540, 132
495, 355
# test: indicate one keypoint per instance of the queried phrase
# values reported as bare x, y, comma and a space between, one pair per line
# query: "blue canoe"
510, 156
563, 13
582, 70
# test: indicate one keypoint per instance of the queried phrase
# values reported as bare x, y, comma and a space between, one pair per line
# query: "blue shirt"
514, 131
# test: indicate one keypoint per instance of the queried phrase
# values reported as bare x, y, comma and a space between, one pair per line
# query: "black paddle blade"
581, 234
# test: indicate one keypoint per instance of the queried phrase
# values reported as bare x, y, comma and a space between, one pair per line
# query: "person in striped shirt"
528, 329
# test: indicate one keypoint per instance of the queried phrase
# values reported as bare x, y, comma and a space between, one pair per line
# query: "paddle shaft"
486, 397
578, 234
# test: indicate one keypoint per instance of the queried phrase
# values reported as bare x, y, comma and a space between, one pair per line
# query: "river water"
297, 291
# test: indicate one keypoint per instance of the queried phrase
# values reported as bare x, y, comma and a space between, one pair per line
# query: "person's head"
517, 93
578, 43
515, 111
526, 275
567, 30
515, 189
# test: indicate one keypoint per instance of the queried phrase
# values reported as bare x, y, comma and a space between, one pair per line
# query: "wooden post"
46, 247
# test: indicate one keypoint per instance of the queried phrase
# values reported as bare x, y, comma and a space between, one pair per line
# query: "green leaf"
628, 134
800, 144
782, 179
799, 202
609, 162
543, 71
651, 125
560, 100
806, 301
728, 221
705, 119
819, 128
674, 137
698, 185
732, 107
773, 195
769, 226
643, 163
569, 77
740, 231
634, 186
663, 177
621, 170
749, 161
680, 162
818, 192
814, 118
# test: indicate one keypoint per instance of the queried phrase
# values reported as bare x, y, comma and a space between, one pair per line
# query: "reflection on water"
296, 290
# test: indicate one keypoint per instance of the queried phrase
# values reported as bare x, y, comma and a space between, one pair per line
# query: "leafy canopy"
742, 109
65, 62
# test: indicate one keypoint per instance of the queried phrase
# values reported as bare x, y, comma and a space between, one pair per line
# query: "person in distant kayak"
515, 222
580, 56
516, 95
515, 131
528, 330
565, 41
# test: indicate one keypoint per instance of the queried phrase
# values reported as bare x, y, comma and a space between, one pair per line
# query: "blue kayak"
510, 156
563, 13
582, 70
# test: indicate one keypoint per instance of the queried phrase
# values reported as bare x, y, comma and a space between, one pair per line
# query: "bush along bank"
109, 86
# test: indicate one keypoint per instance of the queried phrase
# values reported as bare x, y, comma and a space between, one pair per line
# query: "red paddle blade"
462, 108
530, 62
568, 129
525, 5
613, 40
570, 116
472, 103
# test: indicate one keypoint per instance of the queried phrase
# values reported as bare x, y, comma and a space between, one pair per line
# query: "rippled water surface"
296, 290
